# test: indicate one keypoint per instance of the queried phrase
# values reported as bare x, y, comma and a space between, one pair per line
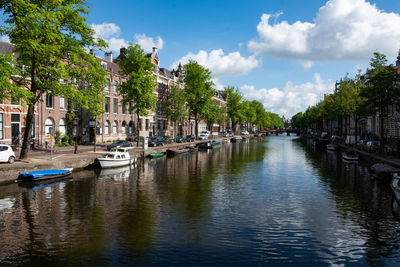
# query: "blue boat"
41, 175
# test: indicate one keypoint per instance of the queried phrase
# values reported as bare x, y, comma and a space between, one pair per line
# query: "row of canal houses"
368, 127
117, 123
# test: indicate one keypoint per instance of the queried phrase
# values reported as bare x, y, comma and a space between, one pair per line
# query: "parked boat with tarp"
41, 175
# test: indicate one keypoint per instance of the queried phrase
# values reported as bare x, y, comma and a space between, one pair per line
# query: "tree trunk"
27, 133
137, 129
196, 128
95, 133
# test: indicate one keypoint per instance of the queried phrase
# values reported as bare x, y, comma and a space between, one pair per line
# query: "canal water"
255, 203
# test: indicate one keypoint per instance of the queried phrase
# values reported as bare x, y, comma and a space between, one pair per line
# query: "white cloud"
106, 30
221, 65
5, 38
292, 99
110, 33
341, 30
147, 43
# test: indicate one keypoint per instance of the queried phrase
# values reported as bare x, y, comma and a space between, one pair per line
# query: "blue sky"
286, 53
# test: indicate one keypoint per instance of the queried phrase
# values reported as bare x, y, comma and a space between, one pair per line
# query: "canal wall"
10, 172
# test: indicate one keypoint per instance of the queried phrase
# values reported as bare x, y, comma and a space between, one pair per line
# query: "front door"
15, 133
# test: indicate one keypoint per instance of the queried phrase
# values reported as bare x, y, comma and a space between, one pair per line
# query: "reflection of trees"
137, 217
359, 198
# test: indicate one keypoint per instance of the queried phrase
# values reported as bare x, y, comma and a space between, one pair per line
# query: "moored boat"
204, 145
155, 155
215, 144
236, 139
332, 146
41, 175
350, 156
118, 157
173, 152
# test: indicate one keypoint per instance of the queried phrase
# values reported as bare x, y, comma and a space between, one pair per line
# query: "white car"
6, 154
245, 132
204, 135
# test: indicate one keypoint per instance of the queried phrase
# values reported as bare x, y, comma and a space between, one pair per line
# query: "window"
104, 65
49, 101
62, 103
115, 127
62, 126
164, 124
74, 130
123, 108
130, 128
33, 127
140, 124
115, 85
1, 126
116, 105
15, 118
107, 105
123, 127
107, 127
107, 88
130, 107
1, 101
147, 124
49, 126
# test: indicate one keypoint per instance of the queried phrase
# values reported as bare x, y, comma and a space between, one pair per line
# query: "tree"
382, 89
234, 105
175, 108
46, 35
212, 114
249, 113
140, 83
198, 91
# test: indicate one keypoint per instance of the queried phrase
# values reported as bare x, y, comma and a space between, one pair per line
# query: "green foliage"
198, 90
234, 105
175, 108
50, 39
141, 81
57, 137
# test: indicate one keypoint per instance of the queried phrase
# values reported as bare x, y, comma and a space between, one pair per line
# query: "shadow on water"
360, 197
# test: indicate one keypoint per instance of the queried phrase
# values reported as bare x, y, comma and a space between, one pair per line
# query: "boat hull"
331, 147
32, 176
113, 163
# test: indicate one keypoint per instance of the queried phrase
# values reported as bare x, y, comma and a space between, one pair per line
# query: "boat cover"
37, 174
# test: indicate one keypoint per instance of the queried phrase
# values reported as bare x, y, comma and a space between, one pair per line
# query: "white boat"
117, 157
395, 186
332, 147
350, 156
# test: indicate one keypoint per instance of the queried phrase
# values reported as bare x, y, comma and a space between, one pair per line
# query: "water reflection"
252, 203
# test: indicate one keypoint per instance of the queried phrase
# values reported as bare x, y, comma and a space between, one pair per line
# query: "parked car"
227, 134
6, 154
181, 139
361, 144
245, 132
372, 146
204, 135
157, 141
120, 143
190, 138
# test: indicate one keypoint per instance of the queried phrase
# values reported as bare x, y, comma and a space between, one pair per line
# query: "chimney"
92, 52
154, 49
109, 56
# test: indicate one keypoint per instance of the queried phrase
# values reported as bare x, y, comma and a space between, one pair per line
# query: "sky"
284, 53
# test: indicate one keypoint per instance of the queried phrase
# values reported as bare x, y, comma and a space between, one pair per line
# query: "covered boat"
216, 144
204, 145
118, 157
41, 175
350, 156
332, 146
